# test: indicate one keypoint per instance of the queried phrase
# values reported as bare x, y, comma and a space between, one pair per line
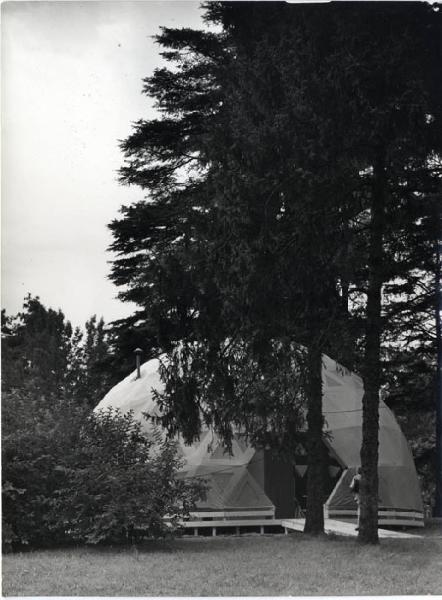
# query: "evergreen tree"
258, 215
398, 139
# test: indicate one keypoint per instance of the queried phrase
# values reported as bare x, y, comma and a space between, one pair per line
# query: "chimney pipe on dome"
138, 353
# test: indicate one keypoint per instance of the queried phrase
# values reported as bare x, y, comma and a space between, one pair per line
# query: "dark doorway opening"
333, 472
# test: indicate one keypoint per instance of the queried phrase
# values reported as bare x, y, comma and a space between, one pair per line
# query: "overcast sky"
72, 76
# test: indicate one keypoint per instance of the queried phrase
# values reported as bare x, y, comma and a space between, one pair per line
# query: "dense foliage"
233, 262
38, 440
71, 476
42, 352
124, 481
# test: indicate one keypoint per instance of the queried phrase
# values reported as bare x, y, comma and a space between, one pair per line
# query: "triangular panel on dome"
219, 452
301, 470
246, 493
241, 441
332, 382
222, 479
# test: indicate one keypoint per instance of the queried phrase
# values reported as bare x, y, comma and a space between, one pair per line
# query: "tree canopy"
43, 353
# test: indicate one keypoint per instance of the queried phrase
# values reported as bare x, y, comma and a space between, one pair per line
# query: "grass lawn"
231, 566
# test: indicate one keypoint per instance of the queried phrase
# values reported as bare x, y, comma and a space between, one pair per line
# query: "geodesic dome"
250, 479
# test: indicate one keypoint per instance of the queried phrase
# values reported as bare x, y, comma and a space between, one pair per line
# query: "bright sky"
72, 76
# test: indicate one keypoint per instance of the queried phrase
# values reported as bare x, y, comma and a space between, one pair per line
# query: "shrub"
72, 476
38, 435
125, 480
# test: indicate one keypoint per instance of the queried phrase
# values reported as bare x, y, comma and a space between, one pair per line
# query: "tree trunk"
368, 526
314, 523
438, 506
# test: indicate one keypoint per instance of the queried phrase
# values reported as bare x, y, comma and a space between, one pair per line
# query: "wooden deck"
234, 524
343, 528
242, 525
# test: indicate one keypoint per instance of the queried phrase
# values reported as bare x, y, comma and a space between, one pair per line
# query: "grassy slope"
271, 566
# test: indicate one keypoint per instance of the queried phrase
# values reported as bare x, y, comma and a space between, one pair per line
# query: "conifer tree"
246, 275
395, 123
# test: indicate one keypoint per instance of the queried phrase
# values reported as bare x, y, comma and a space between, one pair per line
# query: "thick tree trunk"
368, 526
314, 523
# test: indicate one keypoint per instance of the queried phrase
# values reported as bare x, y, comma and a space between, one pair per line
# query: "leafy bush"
38, 434
73, 476
125, 480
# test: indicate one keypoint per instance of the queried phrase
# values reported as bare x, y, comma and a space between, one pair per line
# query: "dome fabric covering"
249, 480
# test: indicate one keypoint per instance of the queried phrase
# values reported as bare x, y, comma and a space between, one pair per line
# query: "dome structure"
252, 480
